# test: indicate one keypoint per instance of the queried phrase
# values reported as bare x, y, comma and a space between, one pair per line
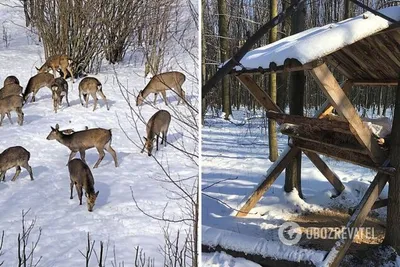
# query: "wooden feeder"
372, 58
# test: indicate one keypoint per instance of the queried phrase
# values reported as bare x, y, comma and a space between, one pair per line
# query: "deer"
59, 89
158, 124
160, 83
81, 176
11, 103
91, 86
37, 82
57, 62
81, 141
10, 80
10, 89
17, 157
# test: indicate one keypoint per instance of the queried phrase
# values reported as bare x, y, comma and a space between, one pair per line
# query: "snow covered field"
115, 219
235, 159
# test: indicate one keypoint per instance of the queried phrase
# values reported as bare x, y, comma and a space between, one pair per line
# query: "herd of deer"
13, 99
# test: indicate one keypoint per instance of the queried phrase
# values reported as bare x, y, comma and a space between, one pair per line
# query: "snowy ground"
115, 218
235, 159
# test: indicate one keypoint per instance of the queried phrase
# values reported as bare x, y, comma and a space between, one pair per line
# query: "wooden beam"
346, 87
376, 82
343, 106
273, 172
341, 154
337, 253
273, 68
326, 171
259, 94
380, 204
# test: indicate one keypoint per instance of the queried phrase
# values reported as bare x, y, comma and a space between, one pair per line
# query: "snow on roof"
318, 42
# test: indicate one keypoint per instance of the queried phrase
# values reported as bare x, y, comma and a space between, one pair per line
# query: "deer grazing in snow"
11, 103
57, 62
81, 176
158, 124
81, 141
59, 89
91, 86
160, 83
17, 157
37, 82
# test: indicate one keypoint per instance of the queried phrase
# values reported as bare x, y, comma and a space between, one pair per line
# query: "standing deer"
83, 140
37, 82
91, 86
17, 157
11, 103
81, 176
10, 80
57, 62
157, 124
160, 83
59, 89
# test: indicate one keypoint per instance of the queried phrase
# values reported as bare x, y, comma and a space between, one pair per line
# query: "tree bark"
273, 144
392, 236
223, 49
293, 171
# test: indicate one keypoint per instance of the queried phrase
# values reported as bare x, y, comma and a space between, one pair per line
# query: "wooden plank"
273, 172
346, 87
326, 171
259, 94
375, 82
341, 154
380, 204
337, 253
275, 69
328, 84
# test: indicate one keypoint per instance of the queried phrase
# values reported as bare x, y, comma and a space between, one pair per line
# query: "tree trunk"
203, 61
392, 236
273, 145
223, 49
293, 171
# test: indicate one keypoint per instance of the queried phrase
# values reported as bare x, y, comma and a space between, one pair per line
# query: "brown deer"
158, 124
59, 89
91, 86
17, 157
160, 83
11, 103
10, 80
57, 62
10, 89
81, 176
37, 82
82, 140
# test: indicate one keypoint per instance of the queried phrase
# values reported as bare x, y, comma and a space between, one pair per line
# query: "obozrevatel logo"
287, 233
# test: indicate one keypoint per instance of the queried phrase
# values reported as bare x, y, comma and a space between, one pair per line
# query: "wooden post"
337, 253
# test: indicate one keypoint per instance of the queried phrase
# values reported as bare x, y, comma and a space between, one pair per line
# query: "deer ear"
97, 193
52, 128
36, 68
57, 126
145, 138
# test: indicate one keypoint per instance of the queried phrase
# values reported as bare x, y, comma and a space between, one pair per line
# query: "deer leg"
164, 95
83, 154
101, 156
87, 100
54, 72
104, 98
165, 138
9, 117
110, 150
20, 116
94, 100
72, 75
17, 172
80, 98
66, 97
72, 187
181, 95
29, 169
155, 98
158, 135
3, 176
2, 118
79, 192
